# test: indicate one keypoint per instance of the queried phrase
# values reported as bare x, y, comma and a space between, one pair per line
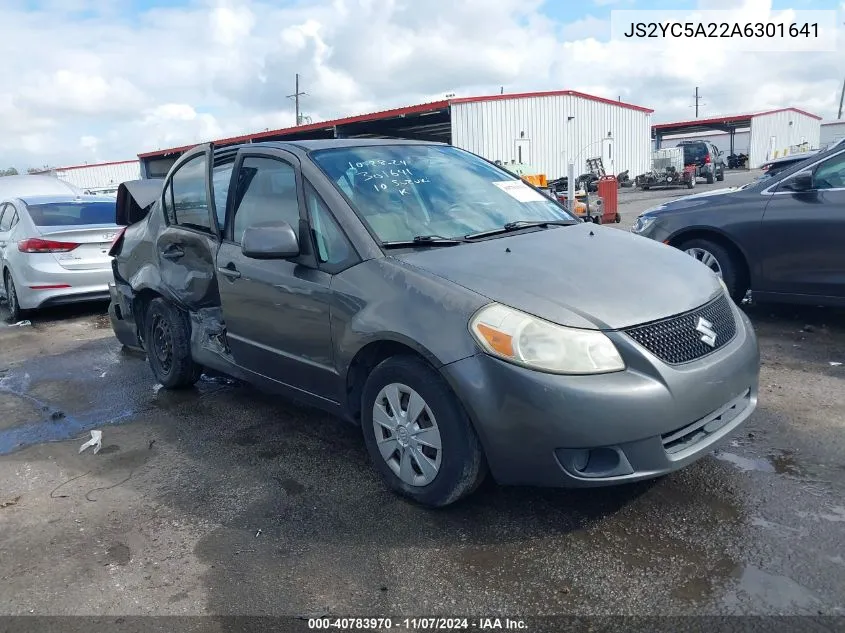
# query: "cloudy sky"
96, 80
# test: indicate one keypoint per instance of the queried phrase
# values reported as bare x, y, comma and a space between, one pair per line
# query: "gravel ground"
222, 500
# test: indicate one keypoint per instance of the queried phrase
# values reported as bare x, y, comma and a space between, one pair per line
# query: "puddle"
758, 586
37, 421
781, 463
835, 514
776, 527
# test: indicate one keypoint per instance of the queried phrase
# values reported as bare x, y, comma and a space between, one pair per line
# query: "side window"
221, 175
168, 204
266, 193
332, 245
190, 201
5, 217
831, 173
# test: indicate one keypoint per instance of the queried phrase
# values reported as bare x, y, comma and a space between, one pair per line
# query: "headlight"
642, 223
529, 341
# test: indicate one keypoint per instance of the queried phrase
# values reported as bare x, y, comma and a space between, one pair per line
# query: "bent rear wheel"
417, 434
167, 342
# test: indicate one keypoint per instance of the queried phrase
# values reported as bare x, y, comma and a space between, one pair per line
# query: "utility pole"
295, 96
697, 99
841, 100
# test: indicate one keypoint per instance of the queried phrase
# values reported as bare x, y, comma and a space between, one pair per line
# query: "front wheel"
720, 260
418, 435
167, 342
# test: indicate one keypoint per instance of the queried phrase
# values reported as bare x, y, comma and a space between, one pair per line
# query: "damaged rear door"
186, 247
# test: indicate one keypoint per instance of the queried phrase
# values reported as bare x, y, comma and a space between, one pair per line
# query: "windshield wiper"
518, 225
425, 240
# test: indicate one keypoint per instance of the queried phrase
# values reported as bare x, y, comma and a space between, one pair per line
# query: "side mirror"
270, 240
800, 182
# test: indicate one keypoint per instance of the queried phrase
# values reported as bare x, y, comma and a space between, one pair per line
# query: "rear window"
72, 213
694, 152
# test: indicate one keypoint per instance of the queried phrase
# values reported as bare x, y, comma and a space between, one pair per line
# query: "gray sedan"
441, 304
780, 237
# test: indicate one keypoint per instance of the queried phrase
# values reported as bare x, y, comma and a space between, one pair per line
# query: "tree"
8, 172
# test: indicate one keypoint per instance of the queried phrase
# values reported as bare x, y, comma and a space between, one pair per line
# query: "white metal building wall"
772, 133
541, 126
101, 175
722, 140
831, 132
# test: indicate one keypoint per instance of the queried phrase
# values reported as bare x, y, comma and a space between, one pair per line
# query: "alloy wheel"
707, 258
11, 296
407, 434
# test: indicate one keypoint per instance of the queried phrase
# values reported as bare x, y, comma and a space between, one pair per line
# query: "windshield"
72, 213
406, 191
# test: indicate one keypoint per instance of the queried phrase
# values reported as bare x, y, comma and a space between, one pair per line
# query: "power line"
295, 96
841, 100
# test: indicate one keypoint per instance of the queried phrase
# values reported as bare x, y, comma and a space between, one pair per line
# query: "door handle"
173, 252
230, 271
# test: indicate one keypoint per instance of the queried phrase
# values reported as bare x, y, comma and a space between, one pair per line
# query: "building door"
522, 151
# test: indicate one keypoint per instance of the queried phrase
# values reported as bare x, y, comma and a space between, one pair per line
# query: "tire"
167, 341
721, 175
12, 302
617, 218
724, 261
646, 187
710, 178
454, 470
691, 183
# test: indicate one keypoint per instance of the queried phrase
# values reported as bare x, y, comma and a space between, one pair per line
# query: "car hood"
583, 276
694, 201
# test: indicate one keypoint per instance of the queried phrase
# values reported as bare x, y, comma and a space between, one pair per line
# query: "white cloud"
103, 85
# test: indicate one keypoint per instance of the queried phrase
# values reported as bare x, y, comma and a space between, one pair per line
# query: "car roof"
60, 199
329, 143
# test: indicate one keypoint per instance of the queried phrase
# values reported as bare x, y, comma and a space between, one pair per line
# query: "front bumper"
576, 431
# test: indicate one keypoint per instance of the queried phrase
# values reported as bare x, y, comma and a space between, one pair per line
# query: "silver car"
54, 249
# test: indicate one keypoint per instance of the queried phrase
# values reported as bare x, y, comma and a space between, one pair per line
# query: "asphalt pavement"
223, 500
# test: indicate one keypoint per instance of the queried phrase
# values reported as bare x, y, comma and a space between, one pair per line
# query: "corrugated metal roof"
731, 118
395, 112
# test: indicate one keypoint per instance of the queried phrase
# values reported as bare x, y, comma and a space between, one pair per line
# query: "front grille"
676, 340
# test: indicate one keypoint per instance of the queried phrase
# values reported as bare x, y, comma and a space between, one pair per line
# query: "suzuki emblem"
708, 335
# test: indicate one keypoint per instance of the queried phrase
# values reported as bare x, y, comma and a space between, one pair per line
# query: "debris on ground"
96, 441
24, 323
10, 502
808, 328
257, 534
57, 415
833, 363
217, 378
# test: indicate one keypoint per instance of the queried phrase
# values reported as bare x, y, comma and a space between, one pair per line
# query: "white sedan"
54, 250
